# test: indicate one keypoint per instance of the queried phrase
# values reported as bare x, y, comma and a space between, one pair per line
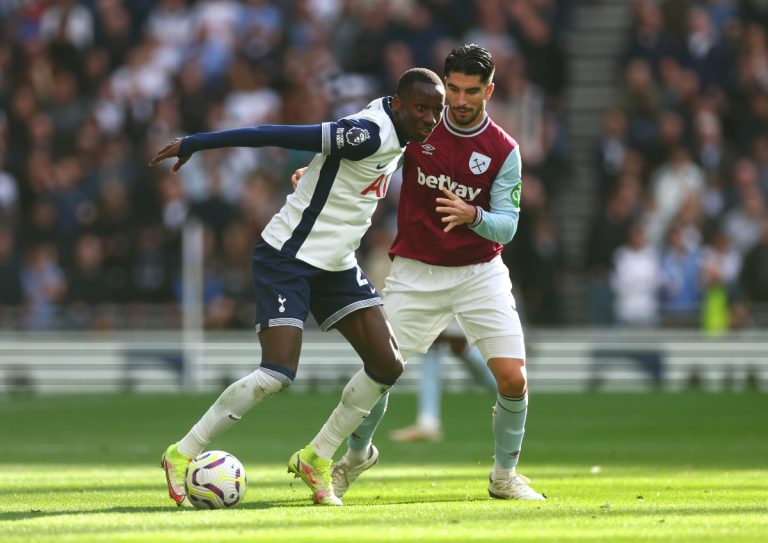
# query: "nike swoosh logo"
176, 492
308, 472
233, 417
380, 167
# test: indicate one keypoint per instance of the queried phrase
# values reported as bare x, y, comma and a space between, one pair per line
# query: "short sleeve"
351, 138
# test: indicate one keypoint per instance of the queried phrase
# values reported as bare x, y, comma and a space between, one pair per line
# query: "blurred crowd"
90, 237
681, 233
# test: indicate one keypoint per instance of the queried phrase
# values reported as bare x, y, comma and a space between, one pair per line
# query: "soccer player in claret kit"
306, 262
459, 203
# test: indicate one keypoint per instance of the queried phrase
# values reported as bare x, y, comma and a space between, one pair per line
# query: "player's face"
418, 111
466, 96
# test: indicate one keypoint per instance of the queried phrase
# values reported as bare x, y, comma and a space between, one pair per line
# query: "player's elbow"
507, 232
507, 237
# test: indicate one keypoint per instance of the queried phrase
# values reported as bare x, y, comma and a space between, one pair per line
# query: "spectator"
675, 181
743, 224
610, 151
720, 269
44, 287
69, 21
10, 278
754, 277
680, 286
635, 281
609, 230
87, 291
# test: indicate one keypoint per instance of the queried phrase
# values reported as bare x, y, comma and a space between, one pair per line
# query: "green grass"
690, 467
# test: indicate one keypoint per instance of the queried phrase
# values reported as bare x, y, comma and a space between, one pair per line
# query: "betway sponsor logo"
444, 182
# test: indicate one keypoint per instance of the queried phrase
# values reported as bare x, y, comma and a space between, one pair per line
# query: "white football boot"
516, 487
344, 472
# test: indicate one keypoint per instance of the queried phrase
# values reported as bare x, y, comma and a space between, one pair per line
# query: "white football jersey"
323, 221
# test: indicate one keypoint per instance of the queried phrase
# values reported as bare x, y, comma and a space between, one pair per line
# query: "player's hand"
296, 176
169, 151
456, 210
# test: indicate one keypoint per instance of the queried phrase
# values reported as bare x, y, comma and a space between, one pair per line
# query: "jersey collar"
386, 103
465, 132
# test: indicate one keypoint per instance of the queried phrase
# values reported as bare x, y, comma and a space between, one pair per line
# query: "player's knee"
390, 372
512, 383
398, 366
270, 379
387, 369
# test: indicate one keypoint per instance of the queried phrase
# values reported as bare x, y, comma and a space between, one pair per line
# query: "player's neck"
466, 127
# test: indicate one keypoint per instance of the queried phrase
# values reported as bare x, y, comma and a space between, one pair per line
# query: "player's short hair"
470, 59
417, 75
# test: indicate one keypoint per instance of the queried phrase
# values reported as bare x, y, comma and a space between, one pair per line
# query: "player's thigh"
417, 319
369, 333
338, 294
485, 306
281, 346
282, 288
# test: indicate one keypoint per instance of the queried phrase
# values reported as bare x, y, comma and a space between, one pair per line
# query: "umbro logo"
427, 149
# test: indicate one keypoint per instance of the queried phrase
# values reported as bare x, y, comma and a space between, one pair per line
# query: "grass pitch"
691, 467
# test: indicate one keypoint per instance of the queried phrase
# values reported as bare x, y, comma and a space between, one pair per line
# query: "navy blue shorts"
287, 289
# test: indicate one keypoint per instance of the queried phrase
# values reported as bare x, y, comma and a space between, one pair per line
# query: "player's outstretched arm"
302, 138
169, 151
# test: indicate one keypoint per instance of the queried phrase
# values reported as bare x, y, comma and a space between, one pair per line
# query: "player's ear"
397, 103
489, 90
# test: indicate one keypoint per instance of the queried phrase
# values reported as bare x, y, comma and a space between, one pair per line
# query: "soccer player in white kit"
306, 263
459, 203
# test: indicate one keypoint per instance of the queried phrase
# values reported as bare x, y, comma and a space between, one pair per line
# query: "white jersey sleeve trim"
326, 138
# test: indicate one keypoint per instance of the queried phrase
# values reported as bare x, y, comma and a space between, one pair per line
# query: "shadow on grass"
535, 512
24, 515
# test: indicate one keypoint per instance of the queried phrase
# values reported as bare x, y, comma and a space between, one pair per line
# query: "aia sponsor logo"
378, 187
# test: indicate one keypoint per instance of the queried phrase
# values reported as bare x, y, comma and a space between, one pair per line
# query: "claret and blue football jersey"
482, 166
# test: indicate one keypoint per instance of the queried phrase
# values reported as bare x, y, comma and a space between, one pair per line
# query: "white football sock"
229, 408
357, 400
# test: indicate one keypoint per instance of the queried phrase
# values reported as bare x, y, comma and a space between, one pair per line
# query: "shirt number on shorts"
360, 279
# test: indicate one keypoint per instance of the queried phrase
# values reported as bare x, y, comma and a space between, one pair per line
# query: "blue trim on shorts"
376, 379
308, 218
279, 369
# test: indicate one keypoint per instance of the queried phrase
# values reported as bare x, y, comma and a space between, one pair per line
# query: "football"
215, 480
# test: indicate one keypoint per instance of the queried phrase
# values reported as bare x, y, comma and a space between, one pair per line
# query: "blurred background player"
306, 263
428, 425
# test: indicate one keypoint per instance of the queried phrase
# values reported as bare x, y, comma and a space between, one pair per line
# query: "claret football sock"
229, 408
